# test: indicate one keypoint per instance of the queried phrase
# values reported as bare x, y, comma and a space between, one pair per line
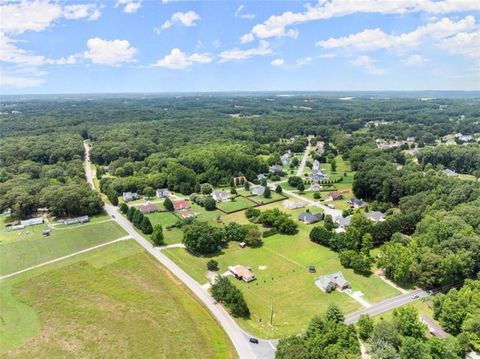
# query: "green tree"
279, 189
413, 348
168, 204
365, 327
112, 196
207, 188
235, 232
146, 225
328, 223
253, 237
157, 235
198, 188
202, 238
209, 204
246, 186
212, 265
333, 165
321, 235
123, 208
334, 314
301, 187
149, 192
408, 324
267, 193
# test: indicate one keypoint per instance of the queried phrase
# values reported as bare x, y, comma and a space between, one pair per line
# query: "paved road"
333, 212
63, 258
238, 336
387, 305
88, 168
304, 160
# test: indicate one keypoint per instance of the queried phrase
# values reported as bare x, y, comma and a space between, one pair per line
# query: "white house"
221, 196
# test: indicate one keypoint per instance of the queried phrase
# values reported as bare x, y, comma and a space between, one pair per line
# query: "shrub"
212, 265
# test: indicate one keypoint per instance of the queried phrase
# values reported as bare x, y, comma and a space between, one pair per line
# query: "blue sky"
169, 46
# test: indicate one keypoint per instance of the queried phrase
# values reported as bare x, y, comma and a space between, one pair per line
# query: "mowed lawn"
113, 302
33, 248
237, 204
280, 266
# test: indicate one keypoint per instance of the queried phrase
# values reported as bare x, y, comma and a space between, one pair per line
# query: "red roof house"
179, 205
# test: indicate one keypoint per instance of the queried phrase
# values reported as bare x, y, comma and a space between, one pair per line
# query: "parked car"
415, 296
254, 340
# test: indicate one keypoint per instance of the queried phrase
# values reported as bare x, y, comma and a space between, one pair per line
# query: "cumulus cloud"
109, 52
238, 54
188, 19
21, 77
240, 15
178, 60
304, 61
368, 64
463, 43
38, 15
375, 39
415, 60
130, 6
10, 53
276, 25
277, 62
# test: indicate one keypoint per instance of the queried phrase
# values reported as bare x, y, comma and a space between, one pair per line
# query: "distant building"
450, 173
129, 196
262, 176
289, 204
316, 165
162, 192
76, 220
356, 203
242, 273
315, 187
374, 216
276, 169
330, 282
31, 221
333, 196
221, 196
179, 205
148, 207
343, 222
258, 190
285, 159
309, 218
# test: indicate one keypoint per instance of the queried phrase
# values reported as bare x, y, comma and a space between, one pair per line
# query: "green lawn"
133, 308
238, 204
282, 278
33, 248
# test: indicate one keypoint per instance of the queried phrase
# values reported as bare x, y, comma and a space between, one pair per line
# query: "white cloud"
21, 77
109, 52
38, 15
368, 64
415, 60
277, 62
10, 53
328, 55
178, 60
131, 6
276, 25
239, 15
247, 38
463, 43
304, 61
237, 54
184, 18
375, 39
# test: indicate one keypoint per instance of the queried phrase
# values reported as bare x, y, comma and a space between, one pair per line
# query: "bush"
269, 232
212, 265
229, 295
316, 195
124, 208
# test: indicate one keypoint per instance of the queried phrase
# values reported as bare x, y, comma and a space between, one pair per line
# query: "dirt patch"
262, 267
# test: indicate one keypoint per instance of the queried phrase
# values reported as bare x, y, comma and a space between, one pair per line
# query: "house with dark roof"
276, 169
330, 282
309, 218
374, 216
148, 207
221, 196
333, 196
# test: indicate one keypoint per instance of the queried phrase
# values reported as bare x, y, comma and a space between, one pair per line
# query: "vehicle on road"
415, 296
113, 216
253, 340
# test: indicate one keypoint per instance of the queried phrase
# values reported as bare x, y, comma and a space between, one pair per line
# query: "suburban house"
374, 216
285, 159
330, 282
357, 203
221, 196
315, 187
76, 220
309, 218
450, 173
258, 190
185, 213
276, 169
163, 192
129, 196
179, 205
242, 273
148, 207
343, 223
316, 165
31, 221
262, 176
289, 204
333, 196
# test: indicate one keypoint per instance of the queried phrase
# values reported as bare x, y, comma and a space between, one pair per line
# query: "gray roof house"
329, 282
285, 159
129, 196
276, 169
343, 222
357, 203
374, 216
262, 176
258, 190
220, 196
163, 192
309, 218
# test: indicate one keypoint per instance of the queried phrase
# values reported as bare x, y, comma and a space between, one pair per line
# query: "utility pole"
271, 314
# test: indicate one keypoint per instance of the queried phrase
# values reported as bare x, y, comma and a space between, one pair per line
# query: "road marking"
64, 257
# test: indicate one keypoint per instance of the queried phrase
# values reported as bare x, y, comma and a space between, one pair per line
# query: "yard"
280, 266
26, 250
132, 308
239, 203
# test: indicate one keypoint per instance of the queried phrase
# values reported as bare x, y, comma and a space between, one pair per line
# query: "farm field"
280, 266
133, 308
30, 249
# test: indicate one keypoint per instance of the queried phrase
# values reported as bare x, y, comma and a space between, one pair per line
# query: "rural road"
386, 305
304, 160
88, 168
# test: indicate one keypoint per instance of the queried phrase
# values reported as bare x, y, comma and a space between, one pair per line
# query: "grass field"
33, 248
280, 266
238, 204
114, 302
